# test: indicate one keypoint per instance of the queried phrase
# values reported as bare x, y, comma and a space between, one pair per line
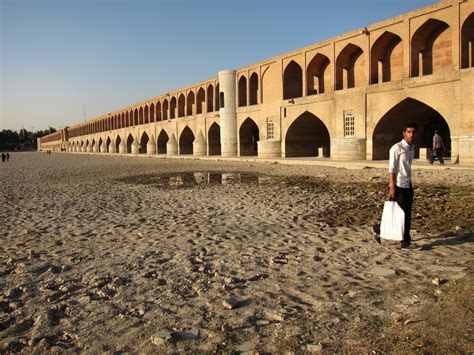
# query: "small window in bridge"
349, 123
270, 129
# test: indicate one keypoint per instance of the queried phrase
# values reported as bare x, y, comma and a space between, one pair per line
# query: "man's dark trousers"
404, 198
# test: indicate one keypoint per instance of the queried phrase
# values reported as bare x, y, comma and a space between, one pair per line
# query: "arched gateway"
388, 130
305, 135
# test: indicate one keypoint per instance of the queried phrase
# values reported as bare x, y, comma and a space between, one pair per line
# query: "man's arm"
391, 184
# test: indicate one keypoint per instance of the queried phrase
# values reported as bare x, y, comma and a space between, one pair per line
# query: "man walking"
400, 177
438, 148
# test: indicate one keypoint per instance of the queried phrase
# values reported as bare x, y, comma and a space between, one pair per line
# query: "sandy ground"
128, 254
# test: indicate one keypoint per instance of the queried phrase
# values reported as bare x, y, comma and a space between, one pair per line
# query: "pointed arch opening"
186, 140
214, 139
305, 136
201, 98
146, 117
107, 144
118, 140
158, 111
386, 58
242, 91
181, 105
217, 98
152, 113
129, 143
388, 130
430, 48
173, 108
249, 135
142, 147
467, 43
292, 81
253, 89
210, 98
190, 104
161, 142
349, 67
136, 120
164, 111
316, 76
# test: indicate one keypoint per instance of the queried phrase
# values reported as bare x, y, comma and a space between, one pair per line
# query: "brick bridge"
344, 98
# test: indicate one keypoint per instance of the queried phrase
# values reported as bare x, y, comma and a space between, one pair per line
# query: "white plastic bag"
393, 221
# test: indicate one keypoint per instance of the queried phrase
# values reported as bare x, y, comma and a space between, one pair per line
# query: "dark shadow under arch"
388, 130
305, 135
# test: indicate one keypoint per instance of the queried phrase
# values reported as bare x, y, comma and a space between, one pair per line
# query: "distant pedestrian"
8, 157
3, 157
438, 148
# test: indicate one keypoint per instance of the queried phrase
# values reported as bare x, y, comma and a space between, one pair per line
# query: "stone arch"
242, 95
249, 135
146, 118
158, 111
200, 100
164, 112
210, 98
129, 143
430, 48
386, 58
253, 89
173, 108
190, 104
214, 139
467, 43
349, 67
127, 122
181, 105
140, 116
118, 140
136, 120
93, 145
388, 130
216, 98
292, 81
152, 112
161, 142
142, 148
186, 140
305, 135
107, 144
316, 75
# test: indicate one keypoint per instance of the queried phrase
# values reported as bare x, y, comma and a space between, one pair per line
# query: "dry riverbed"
128, 254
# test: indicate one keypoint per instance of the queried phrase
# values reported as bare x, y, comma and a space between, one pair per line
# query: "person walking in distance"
438, 148
400, 180
8, 157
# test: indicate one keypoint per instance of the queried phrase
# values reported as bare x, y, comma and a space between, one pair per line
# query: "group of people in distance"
5, 157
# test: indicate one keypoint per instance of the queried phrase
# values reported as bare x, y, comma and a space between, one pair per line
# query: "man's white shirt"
401, 157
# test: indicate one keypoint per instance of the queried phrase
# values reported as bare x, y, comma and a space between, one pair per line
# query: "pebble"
314, 348
230, 303
381, 271
161, 338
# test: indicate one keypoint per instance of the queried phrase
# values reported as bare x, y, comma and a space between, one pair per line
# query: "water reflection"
197, 178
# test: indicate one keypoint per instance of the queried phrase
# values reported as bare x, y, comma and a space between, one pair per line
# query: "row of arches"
248, 134
182, 105
430, 49
304, 137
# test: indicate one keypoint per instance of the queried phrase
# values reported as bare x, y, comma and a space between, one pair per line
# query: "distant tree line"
22, 140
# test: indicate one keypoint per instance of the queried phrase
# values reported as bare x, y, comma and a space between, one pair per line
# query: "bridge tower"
227, 113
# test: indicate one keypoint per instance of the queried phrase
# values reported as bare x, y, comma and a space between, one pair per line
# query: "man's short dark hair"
409, 125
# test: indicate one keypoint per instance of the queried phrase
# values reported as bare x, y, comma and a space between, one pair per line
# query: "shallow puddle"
197, 178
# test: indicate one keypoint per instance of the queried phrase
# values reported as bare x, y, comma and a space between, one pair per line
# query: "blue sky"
59, 55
